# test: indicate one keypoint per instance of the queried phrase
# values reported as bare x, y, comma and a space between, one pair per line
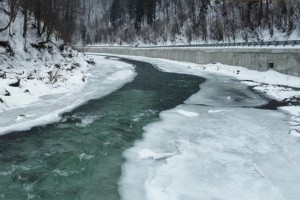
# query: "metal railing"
292, 43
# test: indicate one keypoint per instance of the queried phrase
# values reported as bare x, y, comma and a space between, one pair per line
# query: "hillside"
126, 22
34, 66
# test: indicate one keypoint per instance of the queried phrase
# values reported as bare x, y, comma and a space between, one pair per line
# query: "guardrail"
234, 44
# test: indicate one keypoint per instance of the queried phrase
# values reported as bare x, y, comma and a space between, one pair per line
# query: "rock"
91, 62
30, 77
7, 93
16, 84
76, 64
8, 48
57, 66
3, 75
71, 68
61, 48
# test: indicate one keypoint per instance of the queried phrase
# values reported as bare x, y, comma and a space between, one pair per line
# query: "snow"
293, 110
295, 133
120, 75
35, 82
187, 114
217, 111
148, 154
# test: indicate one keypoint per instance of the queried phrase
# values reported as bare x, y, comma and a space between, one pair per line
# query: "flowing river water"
81, 156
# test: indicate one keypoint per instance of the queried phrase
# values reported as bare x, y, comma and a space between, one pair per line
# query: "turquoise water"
81, 156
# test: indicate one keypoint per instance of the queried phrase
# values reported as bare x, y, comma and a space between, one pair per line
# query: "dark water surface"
81, 157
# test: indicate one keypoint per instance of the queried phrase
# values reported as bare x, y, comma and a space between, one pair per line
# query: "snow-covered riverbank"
41, 77
44, 103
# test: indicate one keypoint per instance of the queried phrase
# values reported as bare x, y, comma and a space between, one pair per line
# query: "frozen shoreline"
271, 84
103, 78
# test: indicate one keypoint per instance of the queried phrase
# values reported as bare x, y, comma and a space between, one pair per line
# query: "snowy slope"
39, 71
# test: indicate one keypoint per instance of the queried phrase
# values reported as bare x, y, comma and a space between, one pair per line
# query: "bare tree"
10, 8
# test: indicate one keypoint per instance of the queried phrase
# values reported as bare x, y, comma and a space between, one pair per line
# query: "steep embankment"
31, 67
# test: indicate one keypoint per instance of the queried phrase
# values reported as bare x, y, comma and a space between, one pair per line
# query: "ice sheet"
223, 91
244, 154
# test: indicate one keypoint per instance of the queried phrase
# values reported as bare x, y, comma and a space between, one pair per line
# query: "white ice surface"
223, 91
244, 154
105, 77
187, 113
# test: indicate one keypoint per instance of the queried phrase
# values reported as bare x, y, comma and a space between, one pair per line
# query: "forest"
156, 21
44, 16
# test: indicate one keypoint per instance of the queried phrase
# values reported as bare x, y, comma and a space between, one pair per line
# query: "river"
81, 156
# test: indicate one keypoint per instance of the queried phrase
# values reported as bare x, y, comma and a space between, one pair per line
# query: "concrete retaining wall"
283, 60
